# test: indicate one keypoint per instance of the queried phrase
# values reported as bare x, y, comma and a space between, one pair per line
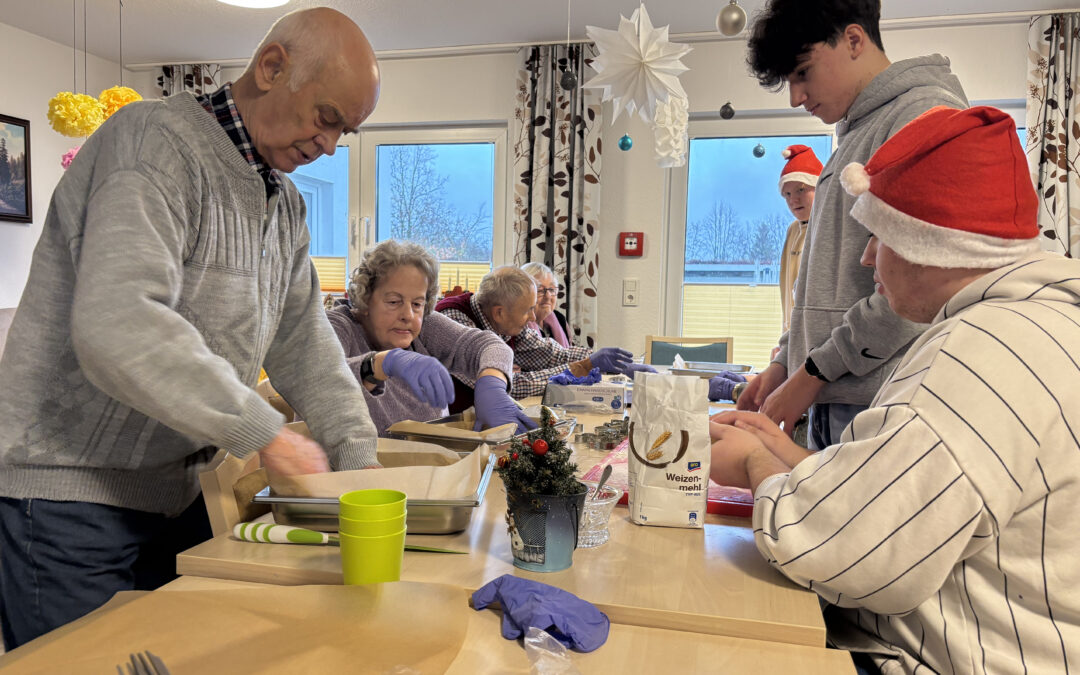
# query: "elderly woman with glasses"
549, 322
404, 355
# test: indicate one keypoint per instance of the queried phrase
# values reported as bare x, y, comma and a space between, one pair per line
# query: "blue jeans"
828, 421
62, 560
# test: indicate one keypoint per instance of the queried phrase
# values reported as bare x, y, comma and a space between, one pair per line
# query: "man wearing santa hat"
940, 530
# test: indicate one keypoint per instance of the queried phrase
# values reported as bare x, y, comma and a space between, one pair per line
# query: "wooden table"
711, 580
629, 649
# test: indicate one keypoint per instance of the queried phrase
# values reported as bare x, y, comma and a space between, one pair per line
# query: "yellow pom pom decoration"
115, 98
75, 115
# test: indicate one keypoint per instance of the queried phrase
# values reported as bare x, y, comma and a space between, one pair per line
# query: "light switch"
630, 292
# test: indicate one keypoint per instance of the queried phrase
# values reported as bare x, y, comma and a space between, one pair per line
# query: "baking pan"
564, 427
425, 516
709, 369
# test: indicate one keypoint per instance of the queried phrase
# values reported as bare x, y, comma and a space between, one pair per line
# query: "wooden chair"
660, 350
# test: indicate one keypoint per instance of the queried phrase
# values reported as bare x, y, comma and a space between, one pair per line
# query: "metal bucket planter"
544, 529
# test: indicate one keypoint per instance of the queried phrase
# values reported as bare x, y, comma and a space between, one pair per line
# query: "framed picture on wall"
15, 201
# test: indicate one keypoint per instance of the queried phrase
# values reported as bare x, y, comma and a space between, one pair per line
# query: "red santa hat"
950, 189
802, 166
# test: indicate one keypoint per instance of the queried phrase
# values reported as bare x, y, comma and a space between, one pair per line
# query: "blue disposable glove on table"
611, 359
569, 619
494, 407
723, 385
425, 375
637, 368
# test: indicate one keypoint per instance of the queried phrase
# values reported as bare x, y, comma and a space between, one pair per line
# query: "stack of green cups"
372, 528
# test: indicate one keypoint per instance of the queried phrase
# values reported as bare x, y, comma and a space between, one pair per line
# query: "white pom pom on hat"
855, 179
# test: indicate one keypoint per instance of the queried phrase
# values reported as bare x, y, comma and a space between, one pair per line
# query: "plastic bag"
547, 655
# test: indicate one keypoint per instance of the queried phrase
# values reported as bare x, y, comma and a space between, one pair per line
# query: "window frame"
369, 139
770, 123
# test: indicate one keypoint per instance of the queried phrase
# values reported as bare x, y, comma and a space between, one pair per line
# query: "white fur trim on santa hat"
924, 243
799, 177
855, 179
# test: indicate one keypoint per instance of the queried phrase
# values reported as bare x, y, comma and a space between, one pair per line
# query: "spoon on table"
603, 479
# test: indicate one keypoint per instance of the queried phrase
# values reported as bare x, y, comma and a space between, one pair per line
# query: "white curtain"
198, 78
1053, 128
556, 175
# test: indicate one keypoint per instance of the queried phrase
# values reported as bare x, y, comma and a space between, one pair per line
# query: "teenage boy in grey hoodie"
844, 340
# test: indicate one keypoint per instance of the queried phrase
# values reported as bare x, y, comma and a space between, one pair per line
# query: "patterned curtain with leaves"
557, 176
198, 78
1053, 128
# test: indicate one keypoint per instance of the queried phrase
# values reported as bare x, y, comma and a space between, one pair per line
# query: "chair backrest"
660, 350
333, 275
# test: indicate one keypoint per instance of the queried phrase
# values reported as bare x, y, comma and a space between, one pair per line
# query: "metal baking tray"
564, 427
709, 369
425, 516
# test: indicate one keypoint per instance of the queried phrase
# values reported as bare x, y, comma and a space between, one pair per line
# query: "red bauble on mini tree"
541, 465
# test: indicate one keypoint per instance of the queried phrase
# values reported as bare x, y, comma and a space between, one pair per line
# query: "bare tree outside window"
414, 204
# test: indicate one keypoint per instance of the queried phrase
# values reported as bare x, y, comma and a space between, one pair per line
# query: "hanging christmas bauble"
731, 19
540, 446
726, 111
759, 150
625, 143
568, 81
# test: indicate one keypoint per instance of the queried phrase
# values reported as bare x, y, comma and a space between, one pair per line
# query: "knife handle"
278, 534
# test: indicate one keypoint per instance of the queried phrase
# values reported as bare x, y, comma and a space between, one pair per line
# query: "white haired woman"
404, 355
549, 322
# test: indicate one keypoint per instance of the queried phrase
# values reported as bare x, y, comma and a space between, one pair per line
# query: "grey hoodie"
852, 335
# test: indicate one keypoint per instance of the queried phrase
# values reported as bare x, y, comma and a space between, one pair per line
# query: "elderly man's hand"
291, 454
770, 435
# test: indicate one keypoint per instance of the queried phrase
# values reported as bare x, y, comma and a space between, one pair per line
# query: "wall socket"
630, 292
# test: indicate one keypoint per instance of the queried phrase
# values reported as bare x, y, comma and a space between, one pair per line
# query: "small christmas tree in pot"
543, 498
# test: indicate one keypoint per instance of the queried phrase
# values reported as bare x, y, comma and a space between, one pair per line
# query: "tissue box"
596, 398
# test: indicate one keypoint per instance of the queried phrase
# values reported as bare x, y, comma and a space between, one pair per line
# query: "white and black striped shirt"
943, 527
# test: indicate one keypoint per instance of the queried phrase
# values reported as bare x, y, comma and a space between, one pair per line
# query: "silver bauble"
759, 151
726, 111
731, 20
568, 80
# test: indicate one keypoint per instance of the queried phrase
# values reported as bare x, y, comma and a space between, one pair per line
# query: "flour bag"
669, 450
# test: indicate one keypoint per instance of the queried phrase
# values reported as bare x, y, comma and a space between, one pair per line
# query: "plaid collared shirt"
538, 357
221, 105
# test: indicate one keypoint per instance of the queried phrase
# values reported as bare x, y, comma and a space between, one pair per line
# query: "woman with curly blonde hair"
405, 355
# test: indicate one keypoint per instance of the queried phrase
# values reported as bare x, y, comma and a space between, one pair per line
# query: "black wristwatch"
367, 373
812, 369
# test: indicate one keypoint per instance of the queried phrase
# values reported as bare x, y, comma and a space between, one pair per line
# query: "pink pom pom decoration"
65, 161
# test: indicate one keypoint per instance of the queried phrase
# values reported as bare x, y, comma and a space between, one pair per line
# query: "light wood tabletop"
711, 580
629, 649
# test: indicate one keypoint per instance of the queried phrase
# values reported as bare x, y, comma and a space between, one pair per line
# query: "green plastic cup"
372, 560
371, 504
371, 528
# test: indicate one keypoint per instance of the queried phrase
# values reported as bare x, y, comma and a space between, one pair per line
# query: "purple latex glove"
611, 359
494, 407
425, 375
525, 603
637, 368
721, 386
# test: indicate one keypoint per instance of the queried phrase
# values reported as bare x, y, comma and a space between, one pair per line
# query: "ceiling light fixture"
254, 4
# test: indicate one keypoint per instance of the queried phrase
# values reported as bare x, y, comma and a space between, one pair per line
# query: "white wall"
35, 70
990, 61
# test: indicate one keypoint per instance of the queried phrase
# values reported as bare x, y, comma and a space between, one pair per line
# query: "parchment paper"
420, 470
279, 629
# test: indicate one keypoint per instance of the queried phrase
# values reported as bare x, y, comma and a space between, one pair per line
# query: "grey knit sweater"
464, 351
163, 279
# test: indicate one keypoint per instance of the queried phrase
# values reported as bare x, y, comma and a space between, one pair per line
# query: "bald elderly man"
173, 264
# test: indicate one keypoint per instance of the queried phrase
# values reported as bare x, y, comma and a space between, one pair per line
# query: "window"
324, 185
728, 223
441, 188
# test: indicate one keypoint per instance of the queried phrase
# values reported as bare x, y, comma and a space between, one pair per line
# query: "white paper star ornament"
637, 67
